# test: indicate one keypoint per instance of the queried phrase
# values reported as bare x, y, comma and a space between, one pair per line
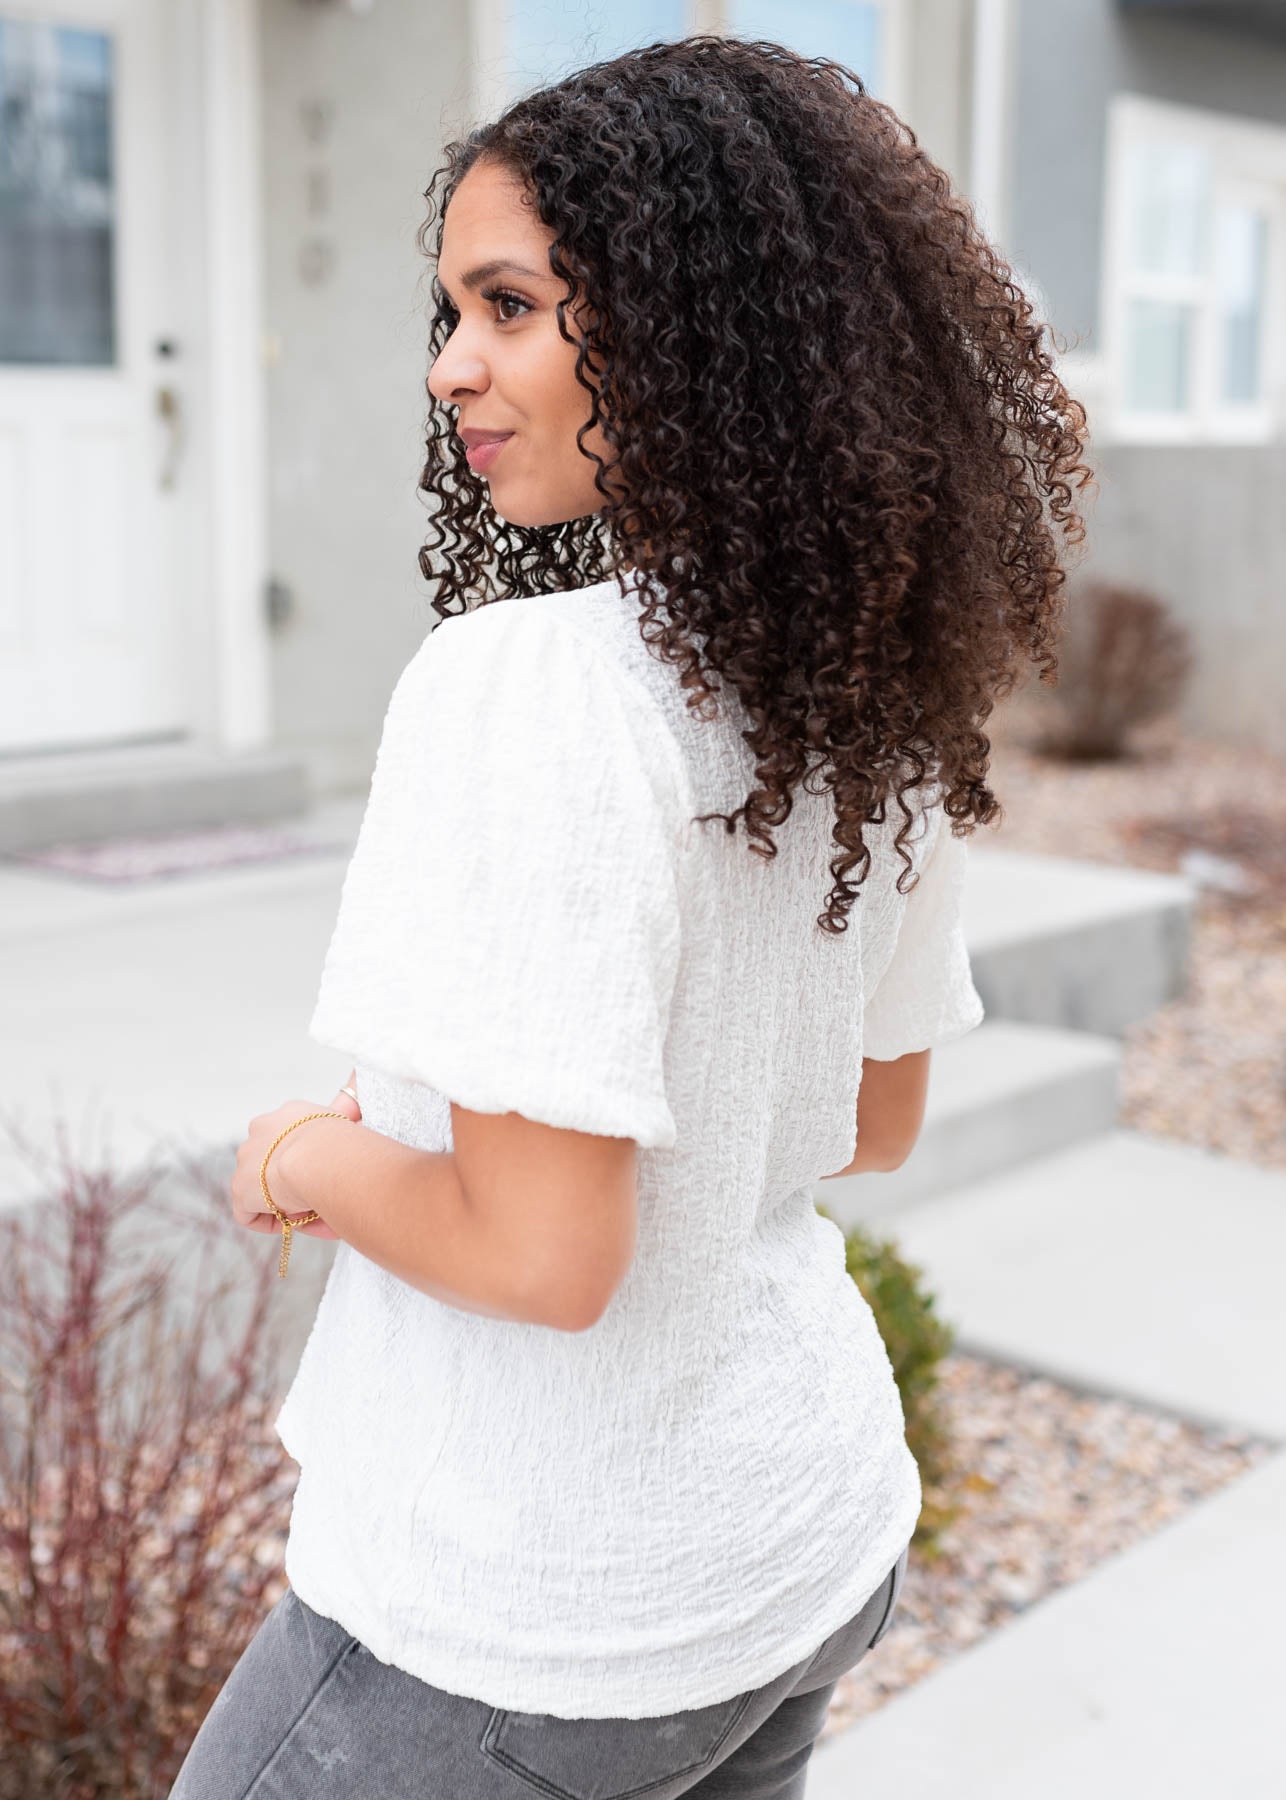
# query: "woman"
751, 466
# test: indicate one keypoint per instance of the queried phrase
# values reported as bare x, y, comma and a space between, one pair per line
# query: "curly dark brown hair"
839, 442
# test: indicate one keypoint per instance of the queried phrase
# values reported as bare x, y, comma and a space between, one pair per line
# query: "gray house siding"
1070, 59
1205, 528
1201, 525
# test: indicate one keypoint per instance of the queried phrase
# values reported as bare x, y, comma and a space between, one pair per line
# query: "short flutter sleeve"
925, 996
509, 924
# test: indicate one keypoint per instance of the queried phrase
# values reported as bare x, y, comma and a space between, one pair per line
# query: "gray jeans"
308, 1713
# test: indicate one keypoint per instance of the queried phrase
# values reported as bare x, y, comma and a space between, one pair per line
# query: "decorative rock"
1024, 1528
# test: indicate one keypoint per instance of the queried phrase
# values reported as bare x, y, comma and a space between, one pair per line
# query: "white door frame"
211, 145
223, 48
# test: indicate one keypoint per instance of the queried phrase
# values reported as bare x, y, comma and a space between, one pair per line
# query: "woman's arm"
519, 1221
403, 1208
890, 1112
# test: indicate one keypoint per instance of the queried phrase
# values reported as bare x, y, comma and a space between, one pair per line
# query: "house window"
1242, 279
551, 38
523, 44
852, 33
1194, 302
57, 201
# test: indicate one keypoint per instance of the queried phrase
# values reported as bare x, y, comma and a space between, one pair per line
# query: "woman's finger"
345, 1103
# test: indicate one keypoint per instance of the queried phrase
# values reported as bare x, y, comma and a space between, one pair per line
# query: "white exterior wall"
356, 107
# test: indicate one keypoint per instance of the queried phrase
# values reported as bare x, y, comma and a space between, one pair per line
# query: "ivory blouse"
684, 1500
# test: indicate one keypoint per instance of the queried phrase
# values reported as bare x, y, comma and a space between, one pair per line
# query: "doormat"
154, 858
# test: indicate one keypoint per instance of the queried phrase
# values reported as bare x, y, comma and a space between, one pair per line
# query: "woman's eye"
493, 296
503, 297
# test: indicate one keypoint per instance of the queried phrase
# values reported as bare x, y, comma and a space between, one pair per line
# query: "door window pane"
844, 30
552, 38
56, 195
1241, 238
1167, 192
1158, 342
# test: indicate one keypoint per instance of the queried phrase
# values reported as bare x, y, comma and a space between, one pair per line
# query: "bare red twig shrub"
1123, 660
143, 1494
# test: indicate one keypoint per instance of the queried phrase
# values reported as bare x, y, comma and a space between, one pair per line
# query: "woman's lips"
481, 456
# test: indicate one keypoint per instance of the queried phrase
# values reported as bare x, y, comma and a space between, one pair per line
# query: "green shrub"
916, 1340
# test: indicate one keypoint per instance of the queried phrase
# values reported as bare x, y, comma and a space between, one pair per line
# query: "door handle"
170, 412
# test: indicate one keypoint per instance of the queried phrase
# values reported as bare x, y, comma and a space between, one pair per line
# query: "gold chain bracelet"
308, 1218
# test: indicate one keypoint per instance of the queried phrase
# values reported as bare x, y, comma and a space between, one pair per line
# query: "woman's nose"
452, 375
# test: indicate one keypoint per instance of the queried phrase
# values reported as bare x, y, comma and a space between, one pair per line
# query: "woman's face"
505, 366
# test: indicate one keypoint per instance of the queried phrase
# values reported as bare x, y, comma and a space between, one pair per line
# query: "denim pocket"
895, 1593
302, 1670
566, 1758
849, 1642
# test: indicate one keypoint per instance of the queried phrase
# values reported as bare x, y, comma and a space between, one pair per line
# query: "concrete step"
87, 796
1083, 945
1129, 1264
997, 1097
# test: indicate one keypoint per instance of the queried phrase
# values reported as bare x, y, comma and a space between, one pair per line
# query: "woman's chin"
514, 511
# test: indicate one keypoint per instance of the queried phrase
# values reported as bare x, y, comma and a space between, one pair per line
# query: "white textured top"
686, 1499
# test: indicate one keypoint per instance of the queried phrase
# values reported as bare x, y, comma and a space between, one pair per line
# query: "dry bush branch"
143, 1495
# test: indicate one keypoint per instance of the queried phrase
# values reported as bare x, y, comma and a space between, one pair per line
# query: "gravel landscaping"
1057, 1481
1209, 1068
1062, 1479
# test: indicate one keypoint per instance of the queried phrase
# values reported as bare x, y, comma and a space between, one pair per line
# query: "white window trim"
991, 106
1248, 157
489, 22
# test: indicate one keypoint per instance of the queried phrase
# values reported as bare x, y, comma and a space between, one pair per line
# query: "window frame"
1247, 165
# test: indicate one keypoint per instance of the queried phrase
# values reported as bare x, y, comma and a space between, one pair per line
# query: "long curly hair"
838, 440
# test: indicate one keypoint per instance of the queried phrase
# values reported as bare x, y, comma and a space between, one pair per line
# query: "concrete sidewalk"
1137, 1266
1159, 1674
168, 1012
1129, 1264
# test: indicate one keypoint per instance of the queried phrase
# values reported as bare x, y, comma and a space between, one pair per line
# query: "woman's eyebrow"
486, 270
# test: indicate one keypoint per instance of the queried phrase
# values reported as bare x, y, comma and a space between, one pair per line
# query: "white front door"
95, 633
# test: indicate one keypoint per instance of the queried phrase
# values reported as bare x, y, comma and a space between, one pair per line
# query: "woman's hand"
246, 1195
